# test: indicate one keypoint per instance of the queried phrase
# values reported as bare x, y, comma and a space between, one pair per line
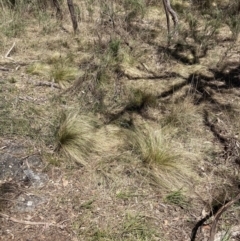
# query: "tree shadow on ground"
185, 53
204, 87
8, 194
201, 87
230, 78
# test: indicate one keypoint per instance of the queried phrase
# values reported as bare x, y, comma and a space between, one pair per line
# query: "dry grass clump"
75, 137
39, 69
182, 114
59, 72
62, 74
152, 148
81, 137
139, 99
177, 198
163, 158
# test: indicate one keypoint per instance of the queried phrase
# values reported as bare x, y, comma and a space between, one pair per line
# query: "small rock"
28, 203
36, 179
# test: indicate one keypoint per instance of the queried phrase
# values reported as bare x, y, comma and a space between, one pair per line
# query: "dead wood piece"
168, 10
73, 15
4, 69
233, 232
218, 215
217, 212
10, 50
59, 14
61, 226
46, 83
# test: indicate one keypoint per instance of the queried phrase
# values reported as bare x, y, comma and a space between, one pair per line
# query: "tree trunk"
169, 10
73, 15
59, 14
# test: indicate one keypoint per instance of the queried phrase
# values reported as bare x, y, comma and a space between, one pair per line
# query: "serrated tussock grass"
139, 99
82, 137
58, 72
181, 114
75, 137
151, 146
161, 156
177, 198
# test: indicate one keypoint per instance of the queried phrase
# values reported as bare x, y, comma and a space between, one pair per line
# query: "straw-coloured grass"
75, 137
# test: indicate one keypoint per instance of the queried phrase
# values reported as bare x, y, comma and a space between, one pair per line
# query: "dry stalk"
218, 215
10, 50
168, 10
61, 226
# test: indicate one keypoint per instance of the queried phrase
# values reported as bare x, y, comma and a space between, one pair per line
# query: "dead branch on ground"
61, 226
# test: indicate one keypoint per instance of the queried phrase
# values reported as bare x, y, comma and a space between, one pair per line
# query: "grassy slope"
145, 124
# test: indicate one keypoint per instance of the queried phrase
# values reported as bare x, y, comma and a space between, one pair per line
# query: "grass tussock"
58, 72
132, 118
63, 74
152, 148
75, 137
139, 99
81, 137
177, 198
135, 227
181, 114
39, 69
163, 157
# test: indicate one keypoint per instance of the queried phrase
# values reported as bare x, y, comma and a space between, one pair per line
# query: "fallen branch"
46, 83
233, 232
218, 215
216, 212
10, 50
4, 69
73, 15
61, 226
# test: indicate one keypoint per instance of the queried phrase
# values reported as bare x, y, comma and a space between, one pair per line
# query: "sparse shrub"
90, 8
202, 4
12, 80
234, 25
107, 11
15, 27
102, 76
199, 37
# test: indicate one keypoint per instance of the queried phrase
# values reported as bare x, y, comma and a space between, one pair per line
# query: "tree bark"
73, 15
59, 14
168, 10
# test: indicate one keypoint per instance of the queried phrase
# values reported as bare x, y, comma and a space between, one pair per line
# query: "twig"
218, 215
26, 157
31, 223
4, 69
168, 10
202, 221
233, 232
10, 50
46, 83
